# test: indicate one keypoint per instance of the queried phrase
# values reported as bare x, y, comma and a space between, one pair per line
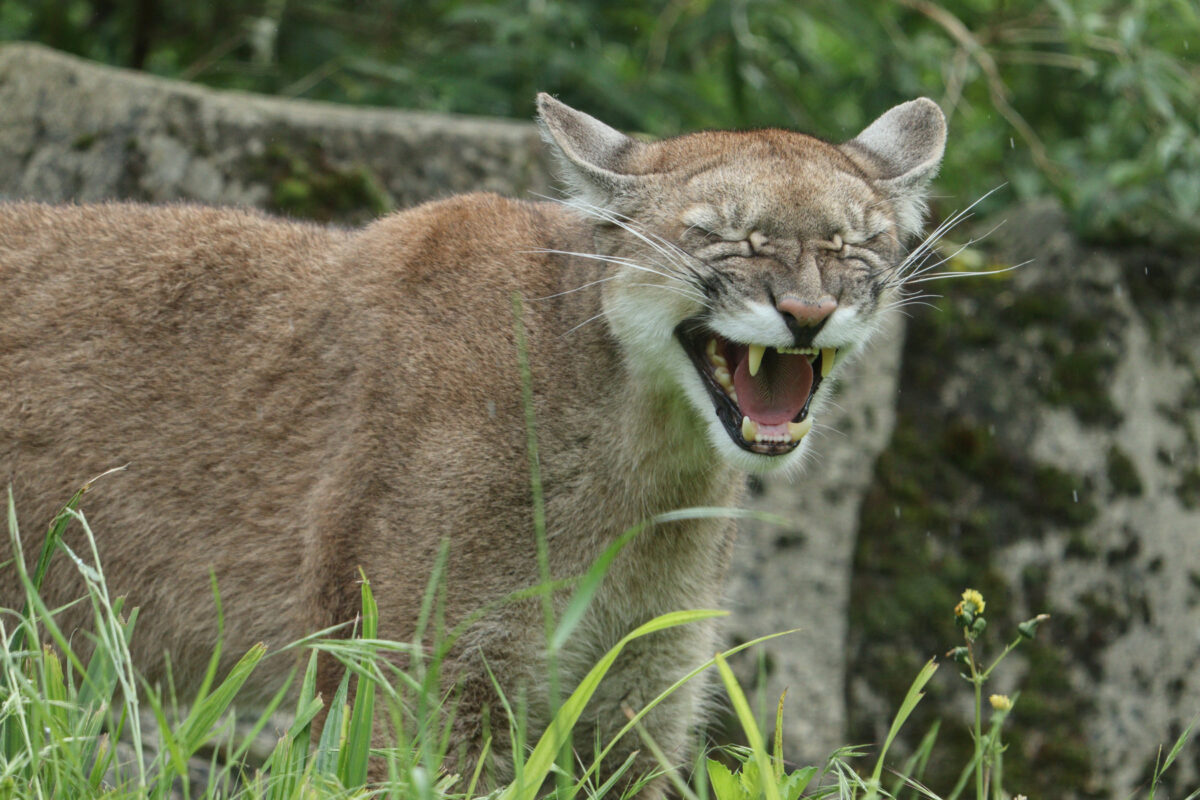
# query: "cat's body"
295, 402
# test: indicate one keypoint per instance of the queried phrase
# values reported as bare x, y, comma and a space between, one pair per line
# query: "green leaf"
330, 742
195, 730
914, 766
751, 779
665, 694
1179, 745
537, 767
725, 784
741, 707
352, 760
778, 755
911, 699
587, 587
793, 785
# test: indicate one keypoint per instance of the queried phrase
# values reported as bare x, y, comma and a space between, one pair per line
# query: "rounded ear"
591, 153
904, 146
901, 151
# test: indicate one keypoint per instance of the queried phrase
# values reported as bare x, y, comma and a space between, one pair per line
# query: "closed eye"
867, 258
713, 246
725, 248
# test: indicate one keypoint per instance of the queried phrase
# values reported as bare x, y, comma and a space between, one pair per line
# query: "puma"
295, 402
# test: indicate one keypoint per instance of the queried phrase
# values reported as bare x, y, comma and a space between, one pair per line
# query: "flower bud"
1001, 702
1028, 628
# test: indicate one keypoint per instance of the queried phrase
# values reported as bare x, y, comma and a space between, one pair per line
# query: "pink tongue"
777, 393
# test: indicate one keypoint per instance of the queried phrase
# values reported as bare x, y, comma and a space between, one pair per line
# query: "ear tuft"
592, 154
902, 151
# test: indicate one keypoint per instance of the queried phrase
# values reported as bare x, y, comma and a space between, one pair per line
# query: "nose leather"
803, 318
804, 313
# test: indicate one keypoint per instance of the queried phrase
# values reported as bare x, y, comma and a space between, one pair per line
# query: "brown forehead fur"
694, 150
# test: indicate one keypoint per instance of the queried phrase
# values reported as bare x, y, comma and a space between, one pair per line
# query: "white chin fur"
754, 463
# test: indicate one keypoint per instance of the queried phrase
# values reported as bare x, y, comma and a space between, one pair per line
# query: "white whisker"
587, 285
592, 318
676, 290
619, 260
944, 275
923, 272
669, 250
917, 261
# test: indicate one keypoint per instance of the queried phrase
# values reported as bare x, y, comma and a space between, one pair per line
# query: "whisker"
944, 275
910, 300
666, 248
592, 318
906, 304
924, 269
676, 290
679, 258
916, 260
620, 260
587, 285
690, 286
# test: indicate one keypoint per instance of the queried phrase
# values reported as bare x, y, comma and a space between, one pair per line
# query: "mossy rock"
305, 183
957, 484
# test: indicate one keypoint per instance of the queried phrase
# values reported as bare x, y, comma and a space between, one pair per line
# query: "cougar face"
750, 265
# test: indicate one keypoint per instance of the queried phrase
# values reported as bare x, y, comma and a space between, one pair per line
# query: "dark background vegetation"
1094, 101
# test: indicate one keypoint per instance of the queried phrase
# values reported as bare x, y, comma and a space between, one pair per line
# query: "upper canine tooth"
756, 356
798, 430
828, 356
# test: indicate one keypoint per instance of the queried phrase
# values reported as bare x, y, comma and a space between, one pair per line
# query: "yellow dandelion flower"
974, 598
1000, 702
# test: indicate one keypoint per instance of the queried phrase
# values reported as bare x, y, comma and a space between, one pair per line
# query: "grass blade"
352, 766
537, 767
586, 588
754, 738
914, 695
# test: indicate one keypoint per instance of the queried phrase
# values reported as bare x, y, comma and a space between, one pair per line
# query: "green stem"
1000, 658
998, 770
980, 757
539, 523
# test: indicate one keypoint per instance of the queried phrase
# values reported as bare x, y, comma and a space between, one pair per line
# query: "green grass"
61, 718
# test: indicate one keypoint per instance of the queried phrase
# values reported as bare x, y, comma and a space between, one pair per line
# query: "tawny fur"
296, 402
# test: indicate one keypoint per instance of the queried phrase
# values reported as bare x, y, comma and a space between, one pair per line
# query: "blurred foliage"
1092, 100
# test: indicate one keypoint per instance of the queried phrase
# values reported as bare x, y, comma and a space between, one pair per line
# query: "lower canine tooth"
797, 430
749, 429
828, 356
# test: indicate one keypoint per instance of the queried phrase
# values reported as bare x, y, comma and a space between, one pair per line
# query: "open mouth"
761, 394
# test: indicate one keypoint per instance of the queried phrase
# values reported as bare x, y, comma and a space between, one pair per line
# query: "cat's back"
116, 243
205, 347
